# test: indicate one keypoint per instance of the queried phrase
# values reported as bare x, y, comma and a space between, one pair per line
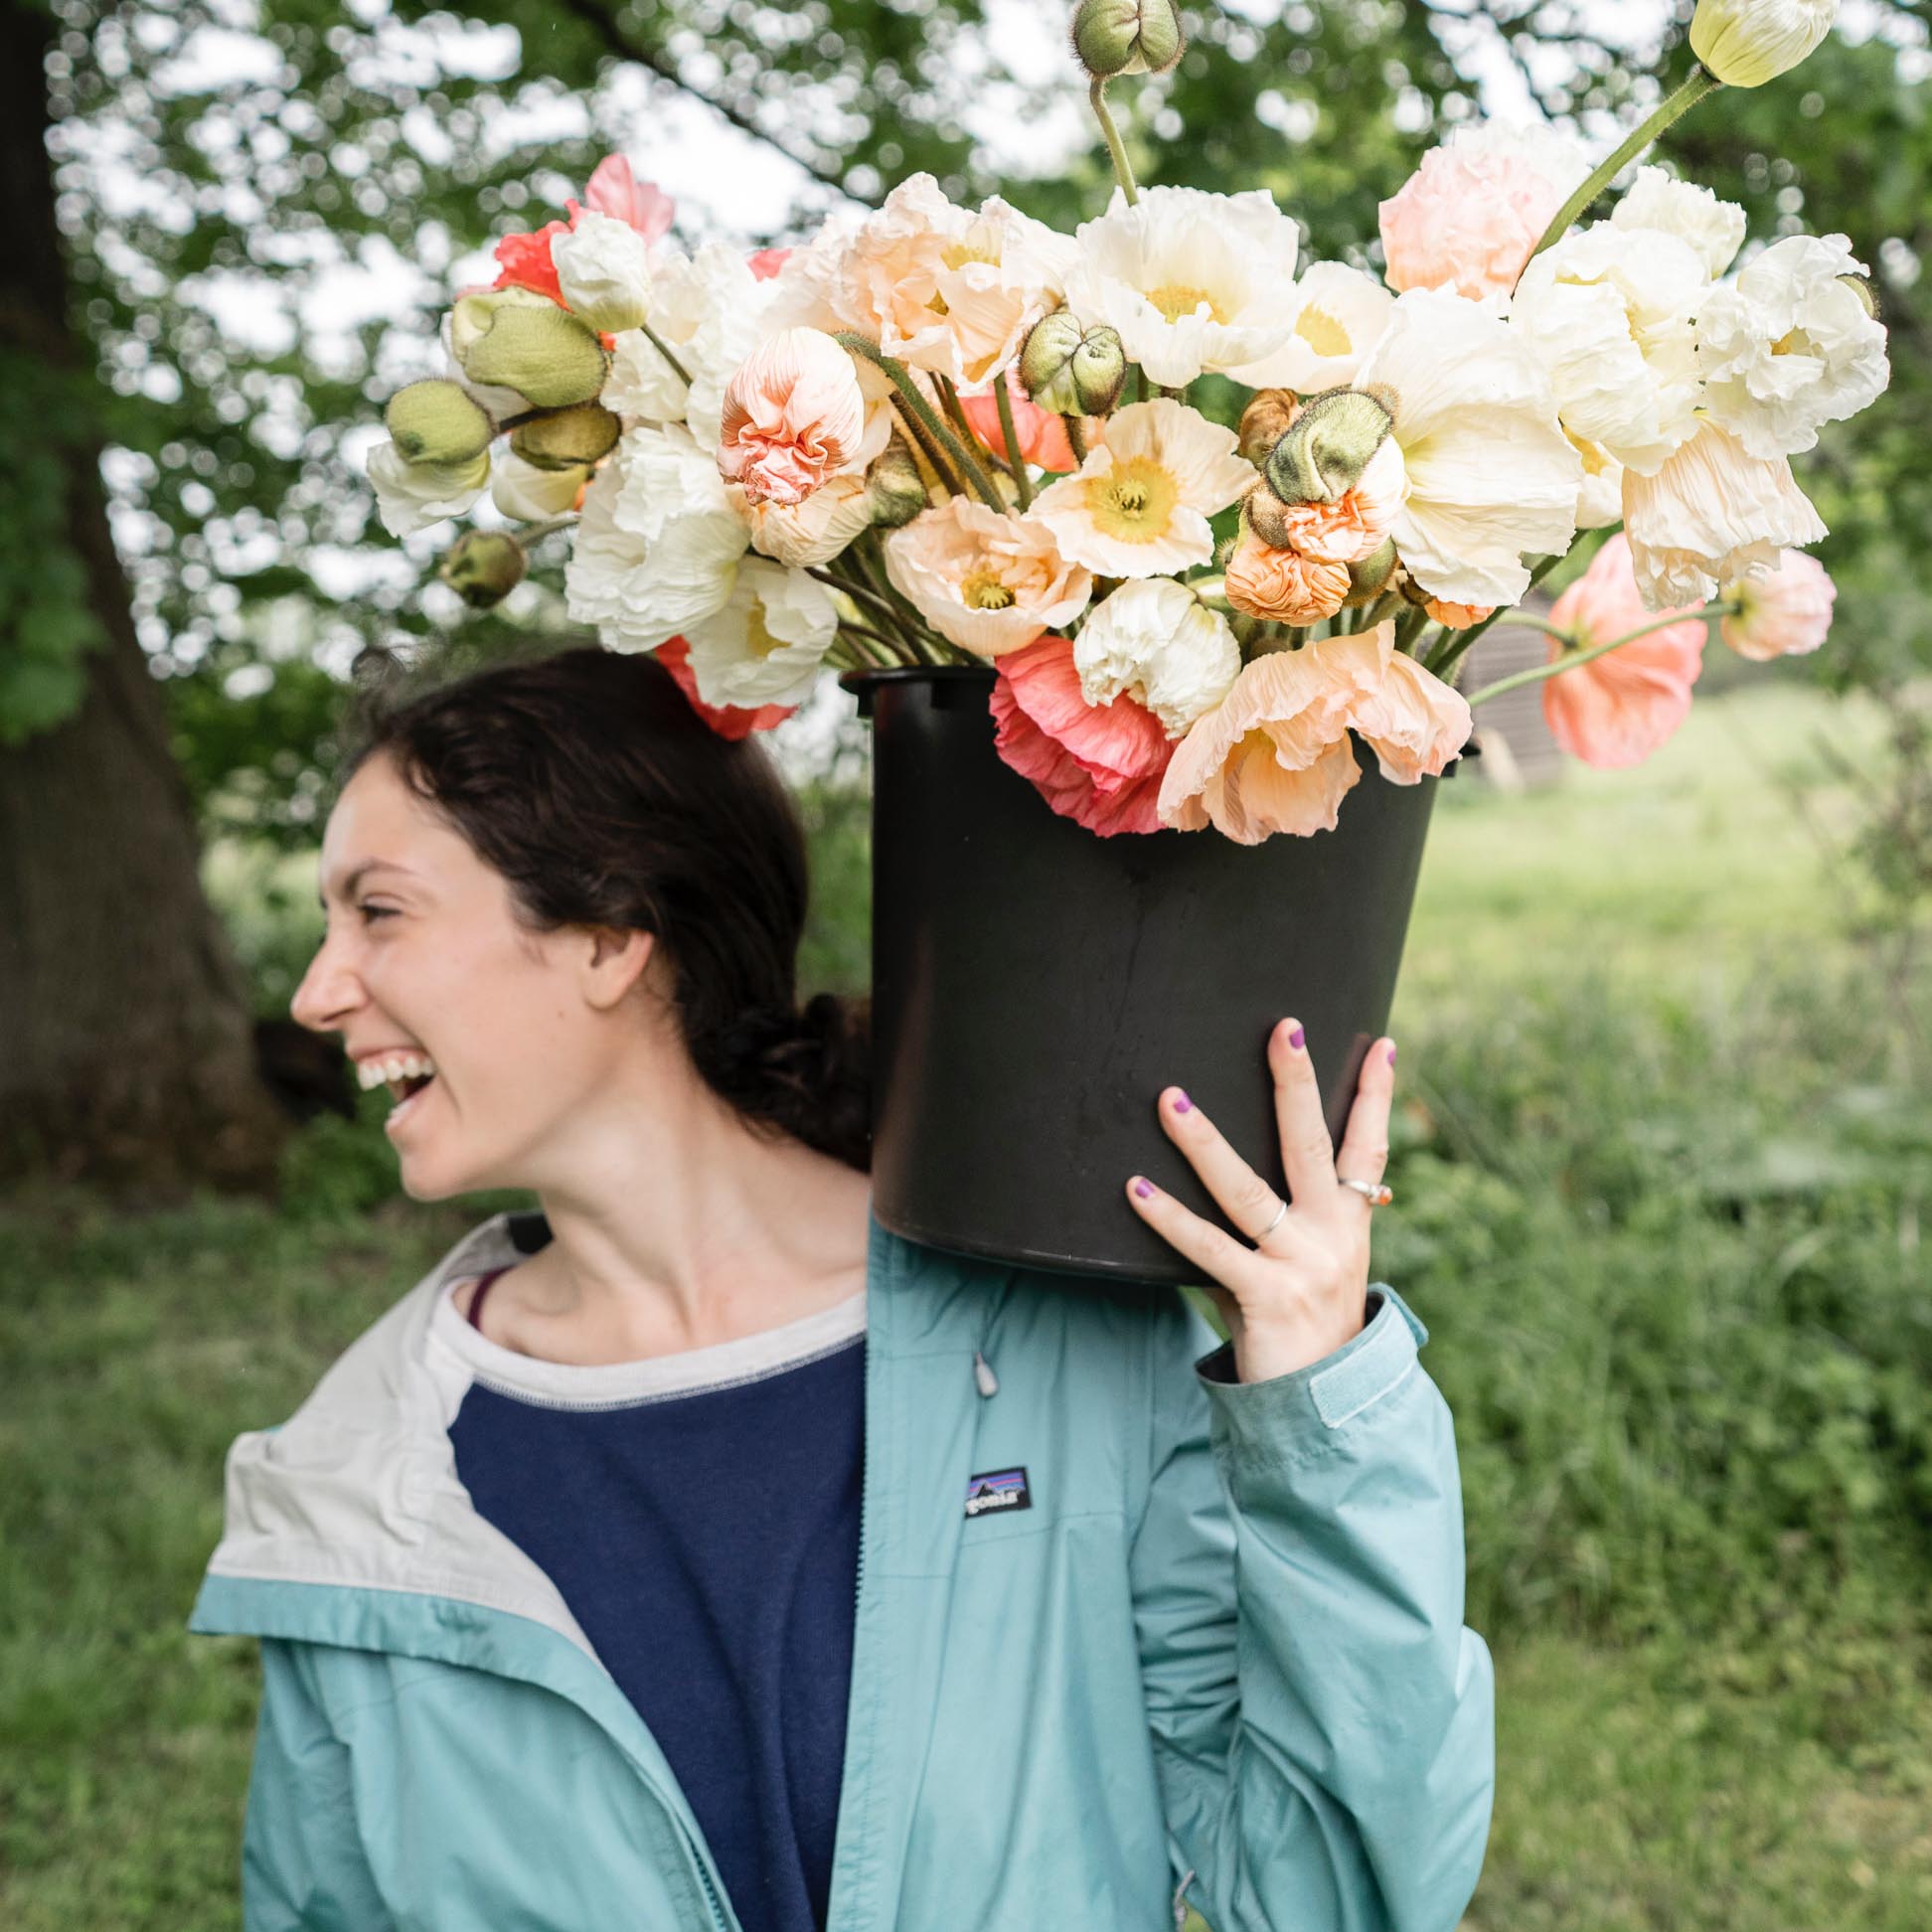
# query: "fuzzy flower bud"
1071, 369
1113, 36
483, 566
1265, 422
584, 434
541, 351
438, 423
1369, 579
1747, 43
1328, 447
898, 491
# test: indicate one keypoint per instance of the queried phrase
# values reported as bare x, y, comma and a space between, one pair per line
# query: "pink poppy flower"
728, 721
765, 263
1784, 613
793, 416
1097, 765
1042, 435
613, 190
1615, 710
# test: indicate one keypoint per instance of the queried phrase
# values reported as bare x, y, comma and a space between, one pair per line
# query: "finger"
1365, 1146
1242, 1195
1215, 1251
1307, 1152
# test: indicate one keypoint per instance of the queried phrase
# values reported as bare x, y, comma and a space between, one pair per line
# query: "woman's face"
422, 957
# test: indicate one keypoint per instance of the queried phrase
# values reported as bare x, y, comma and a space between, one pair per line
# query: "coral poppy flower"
728, 721
1042, 435
525, 261
765, 263
1097, 765
1618, 709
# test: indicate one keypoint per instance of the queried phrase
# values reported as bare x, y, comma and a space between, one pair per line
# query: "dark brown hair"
588, 782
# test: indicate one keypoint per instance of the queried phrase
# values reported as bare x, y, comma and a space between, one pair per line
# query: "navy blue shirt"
698, 1513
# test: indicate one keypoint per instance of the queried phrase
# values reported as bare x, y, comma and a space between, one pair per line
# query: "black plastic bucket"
1035, 987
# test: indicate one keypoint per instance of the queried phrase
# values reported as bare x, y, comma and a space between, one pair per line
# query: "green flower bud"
1325, 451
1071, 369
1862, 289
1369, 578
1747, 43
438, 423
898, 491
1113, 36
1265, 422
541, 351
483, 566
584, 434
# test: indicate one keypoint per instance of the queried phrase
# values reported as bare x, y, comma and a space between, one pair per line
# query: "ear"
612, 962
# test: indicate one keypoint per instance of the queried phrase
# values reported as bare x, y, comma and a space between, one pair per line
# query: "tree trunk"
126, 1051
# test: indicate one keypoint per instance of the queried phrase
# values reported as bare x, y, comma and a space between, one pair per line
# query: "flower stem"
1009, 436
859, 593
1455, 643
956, 415
1116, 150
1571, 659
1700, 83
664, 349
924, 410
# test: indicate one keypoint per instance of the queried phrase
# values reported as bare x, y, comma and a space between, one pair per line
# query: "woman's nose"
328, 994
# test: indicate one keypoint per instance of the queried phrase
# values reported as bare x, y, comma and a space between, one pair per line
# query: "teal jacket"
1221, 1652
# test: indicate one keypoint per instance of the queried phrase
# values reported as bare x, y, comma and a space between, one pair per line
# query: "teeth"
396, 1066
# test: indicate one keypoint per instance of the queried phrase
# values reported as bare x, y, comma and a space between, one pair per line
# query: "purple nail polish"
1296, 1038
1144, 1188
1181, 1104
1392, 1053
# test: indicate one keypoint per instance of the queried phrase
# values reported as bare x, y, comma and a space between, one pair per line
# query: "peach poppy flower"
1097, 765
1283, 585
1042, 435
1615, 710
1274, 755
1459, 616
728, 721
1356, 524
984, 581
1783, 614
793, 416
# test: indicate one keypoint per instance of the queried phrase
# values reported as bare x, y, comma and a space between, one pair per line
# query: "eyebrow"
356, 877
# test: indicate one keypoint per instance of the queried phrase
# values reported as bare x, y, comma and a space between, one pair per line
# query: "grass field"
1662, 1162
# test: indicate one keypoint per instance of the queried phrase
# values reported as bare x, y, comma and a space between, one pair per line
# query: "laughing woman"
695, 1553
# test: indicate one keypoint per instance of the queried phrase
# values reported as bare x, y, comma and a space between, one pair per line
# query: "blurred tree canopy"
262, 203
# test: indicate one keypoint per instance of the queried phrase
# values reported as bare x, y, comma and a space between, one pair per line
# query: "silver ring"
1375, 1193
1272, 1225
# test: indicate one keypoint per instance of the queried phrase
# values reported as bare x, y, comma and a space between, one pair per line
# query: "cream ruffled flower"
814, 530
1601, 500
1713, 513
1609, 312
1140, 506
1155, 642
1747, 43
658, 542
1191, 280
1788, 346
1336, 315
766, 644
604, 268
1712, 229
532, 495
988, 583
1274, 754
1783, 614
1490, 473
412, 496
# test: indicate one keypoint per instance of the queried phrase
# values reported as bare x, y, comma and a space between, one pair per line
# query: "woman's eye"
377, 911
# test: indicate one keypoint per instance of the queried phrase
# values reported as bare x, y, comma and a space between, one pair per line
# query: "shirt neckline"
717, 1365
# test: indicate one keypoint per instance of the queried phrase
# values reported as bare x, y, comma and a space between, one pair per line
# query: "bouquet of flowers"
1205, 510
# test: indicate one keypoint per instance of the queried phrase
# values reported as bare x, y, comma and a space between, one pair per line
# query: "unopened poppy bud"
1113, 36
1265, 422
899, 492
1747, 43
1328, 447
541, 351
438, 423
483, 566
584, 434
1369, 579
1071, 369
1267, 517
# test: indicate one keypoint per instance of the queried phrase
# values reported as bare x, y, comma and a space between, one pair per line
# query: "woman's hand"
1303, 1292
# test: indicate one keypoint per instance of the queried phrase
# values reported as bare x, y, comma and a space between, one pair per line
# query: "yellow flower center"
956, 255
1133, 502
1322, 331
1794, 342
758, 640
1178, 299
983, 590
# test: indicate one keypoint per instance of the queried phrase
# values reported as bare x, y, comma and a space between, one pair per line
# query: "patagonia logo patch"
996, 1491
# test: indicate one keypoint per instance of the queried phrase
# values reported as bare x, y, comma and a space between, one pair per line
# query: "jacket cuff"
1289, 1416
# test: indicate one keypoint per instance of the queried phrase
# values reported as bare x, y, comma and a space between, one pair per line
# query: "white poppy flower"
1747, 43
1336, 315
412, 496
1600, 501
658, 543
1713, 513
814, 530
1191, 280
1139, 506
604, 268
1609, 313
1713, 228
532, 495
766, 644
1490, 473
1156, 641
1788, 346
